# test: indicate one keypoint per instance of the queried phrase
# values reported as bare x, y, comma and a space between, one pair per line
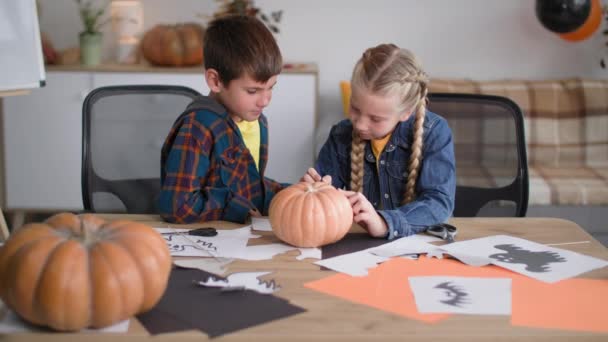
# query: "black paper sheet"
351, 243
186, 305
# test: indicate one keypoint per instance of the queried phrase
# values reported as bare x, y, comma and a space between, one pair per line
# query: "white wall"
478, 39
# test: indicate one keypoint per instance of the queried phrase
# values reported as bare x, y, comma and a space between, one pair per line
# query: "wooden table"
332, 319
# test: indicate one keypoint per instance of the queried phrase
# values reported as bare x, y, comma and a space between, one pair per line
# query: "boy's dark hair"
237, 44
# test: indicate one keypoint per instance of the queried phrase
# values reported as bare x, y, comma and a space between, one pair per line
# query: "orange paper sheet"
572, 304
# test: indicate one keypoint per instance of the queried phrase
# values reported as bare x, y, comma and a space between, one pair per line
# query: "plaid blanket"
566, 124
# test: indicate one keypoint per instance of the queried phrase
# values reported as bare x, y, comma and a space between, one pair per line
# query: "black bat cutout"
534, 261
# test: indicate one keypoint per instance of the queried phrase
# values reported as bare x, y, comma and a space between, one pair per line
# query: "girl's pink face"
374, 116
245, 98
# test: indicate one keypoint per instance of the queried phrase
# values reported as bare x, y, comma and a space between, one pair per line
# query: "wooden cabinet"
42, 132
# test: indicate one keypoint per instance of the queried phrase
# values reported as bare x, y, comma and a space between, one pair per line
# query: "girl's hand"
312, 176
366, 215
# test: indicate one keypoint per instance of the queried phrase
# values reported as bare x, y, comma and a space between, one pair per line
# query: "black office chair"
124, 128
490, 150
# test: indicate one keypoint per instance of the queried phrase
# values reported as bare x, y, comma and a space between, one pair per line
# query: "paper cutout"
313, 253
548, 264
354, 264
464, 295
261, 252
415, 244
243, 281
356, 242
181, 245
571, 304
222, 245
351, 243
471, 260
358, 263
386, 287
534, 261
11, 323
186, 306
261, 224
212, 265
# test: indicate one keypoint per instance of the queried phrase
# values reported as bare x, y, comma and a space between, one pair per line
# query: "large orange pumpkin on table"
310, 214
174, 45
72, 272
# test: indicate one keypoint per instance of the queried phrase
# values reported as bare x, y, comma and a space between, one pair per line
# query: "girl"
395, 157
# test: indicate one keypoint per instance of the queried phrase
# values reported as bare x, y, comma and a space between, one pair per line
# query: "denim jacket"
384, 186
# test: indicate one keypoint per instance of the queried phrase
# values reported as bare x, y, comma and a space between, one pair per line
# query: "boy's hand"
366, 215
254, 213
312, 176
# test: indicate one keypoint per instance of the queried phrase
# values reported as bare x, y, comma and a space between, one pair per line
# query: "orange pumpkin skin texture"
174, 45
310, 215
73, 272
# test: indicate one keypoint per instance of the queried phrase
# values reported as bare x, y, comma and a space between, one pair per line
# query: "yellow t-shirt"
250, 130
378, 147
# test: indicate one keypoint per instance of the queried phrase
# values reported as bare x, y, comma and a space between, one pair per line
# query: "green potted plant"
91, 37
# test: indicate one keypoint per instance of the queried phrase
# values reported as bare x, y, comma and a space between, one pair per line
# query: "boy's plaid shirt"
207, 173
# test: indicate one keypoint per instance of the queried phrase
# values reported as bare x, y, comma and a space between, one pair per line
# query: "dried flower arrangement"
247, 7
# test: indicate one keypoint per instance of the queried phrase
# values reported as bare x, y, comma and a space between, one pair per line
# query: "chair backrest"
490, 150
124, 128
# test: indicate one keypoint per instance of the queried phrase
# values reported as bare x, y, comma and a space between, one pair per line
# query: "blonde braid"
416, 156
356, 163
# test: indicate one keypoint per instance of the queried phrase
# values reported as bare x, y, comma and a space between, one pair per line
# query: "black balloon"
562, 16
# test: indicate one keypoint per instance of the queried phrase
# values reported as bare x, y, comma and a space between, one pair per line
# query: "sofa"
566, 125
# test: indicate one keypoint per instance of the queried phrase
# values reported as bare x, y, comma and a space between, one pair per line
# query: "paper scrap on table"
242, 281
216, 266
386, 288
358, 263
463, 295
11, 323
261, 224
313, 253
261, 252
471, 260
415, 244
220, 245
541, 262
355, 264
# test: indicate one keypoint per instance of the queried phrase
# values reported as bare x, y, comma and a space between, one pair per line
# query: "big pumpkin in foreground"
310, 214
73, 272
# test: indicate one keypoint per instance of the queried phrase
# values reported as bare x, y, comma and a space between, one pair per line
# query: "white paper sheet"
541, 262
261, 224
216, 266
357, 263
313, 253
471, 260
464, 295
242, 281
221, 245
11, 323
415, 244
261, 252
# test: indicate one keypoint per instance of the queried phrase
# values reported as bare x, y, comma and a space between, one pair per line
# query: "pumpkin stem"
310, 187
88, 237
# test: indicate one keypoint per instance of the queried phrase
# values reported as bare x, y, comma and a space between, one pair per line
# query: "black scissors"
445, 231
205, 231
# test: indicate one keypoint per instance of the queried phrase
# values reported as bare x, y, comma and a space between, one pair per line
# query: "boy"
213, 160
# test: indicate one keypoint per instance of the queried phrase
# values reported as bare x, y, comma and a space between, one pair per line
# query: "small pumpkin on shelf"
76, 271
310, 214
174, 45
